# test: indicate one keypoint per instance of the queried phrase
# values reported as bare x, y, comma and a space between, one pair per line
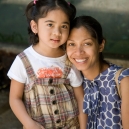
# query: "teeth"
80, 60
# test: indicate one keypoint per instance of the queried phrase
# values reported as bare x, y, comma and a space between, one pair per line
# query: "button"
50, 81
54, 102
56, 111
58, 121
51, 91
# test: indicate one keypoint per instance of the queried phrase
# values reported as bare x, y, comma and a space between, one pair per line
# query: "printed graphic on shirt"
52, 72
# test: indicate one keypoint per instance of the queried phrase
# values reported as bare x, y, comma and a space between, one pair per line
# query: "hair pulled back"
40, 10
93, 27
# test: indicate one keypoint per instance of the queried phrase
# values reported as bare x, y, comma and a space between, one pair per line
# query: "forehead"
80, 35
57, 15
80, 32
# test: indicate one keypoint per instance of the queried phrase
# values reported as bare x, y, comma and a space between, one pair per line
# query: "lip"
55, 39
81, 60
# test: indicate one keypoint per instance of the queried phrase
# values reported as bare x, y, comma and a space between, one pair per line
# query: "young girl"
43, 76
105, 109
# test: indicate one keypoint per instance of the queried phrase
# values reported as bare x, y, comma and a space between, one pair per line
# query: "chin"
78, 68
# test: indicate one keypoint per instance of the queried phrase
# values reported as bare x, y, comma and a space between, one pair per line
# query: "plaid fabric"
50, 101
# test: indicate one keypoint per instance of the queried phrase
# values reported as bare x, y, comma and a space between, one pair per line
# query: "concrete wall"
114, 18
119, 6
124, 63
112, 14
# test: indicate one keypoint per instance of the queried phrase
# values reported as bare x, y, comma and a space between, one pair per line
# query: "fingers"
42, 127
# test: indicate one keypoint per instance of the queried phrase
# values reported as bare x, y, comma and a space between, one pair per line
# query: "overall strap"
67, 68
27, 65
116, 80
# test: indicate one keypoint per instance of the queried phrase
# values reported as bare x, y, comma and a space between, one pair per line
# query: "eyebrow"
70, 40
83, 40
54, 22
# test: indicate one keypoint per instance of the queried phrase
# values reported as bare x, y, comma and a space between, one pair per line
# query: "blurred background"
112, 14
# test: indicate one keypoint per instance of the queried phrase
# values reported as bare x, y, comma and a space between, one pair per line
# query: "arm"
79, 94
124, 85
17, 106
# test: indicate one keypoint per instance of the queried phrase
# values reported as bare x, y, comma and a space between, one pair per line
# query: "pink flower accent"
53, 72
68, 3
34, 1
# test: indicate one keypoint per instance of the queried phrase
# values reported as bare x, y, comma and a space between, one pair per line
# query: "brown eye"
87, 44
65, 26
70, 44
50, 25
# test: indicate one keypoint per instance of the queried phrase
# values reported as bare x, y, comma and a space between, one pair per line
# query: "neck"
53, 52
93, 72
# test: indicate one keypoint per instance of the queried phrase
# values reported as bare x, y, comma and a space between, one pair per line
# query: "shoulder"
114, 68
17, 70
124, 85
124, 73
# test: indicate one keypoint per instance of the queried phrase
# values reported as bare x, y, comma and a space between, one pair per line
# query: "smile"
80, 60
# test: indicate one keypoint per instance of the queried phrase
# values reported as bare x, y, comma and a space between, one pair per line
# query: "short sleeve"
17, 71
124, 73
75, 77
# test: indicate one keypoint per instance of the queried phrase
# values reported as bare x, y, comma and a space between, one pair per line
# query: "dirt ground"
7, 118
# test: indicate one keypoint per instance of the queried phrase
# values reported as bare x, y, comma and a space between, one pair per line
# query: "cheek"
94, 53
65, 35
69, 51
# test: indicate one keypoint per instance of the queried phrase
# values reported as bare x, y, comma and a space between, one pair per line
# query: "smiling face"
52, 30
83, 50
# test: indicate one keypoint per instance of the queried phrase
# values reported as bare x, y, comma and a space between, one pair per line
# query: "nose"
79, 50
57, 32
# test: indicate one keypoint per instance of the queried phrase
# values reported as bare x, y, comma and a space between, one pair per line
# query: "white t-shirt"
43, 67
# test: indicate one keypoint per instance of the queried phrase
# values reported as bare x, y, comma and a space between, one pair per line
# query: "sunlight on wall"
105, 5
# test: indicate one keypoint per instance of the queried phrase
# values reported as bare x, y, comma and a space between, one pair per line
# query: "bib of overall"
50, 101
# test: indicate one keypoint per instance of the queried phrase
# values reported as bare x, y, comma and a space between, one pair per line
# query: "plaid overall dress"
50, 101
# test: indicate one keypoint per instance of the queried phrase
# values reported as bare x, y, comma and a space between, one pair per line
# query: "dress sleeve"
124, 73
75, 77
17, 71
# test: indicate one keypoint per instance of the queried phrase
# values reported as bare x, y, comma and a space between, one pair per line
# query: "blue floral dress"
101, 100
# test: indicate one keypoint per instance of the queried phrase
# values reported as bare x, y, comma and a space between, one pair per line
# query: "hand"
39, 126
35, 126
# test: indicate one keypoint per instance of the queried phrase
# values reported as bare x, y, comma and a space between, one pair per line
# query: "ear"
33, 26
101, 47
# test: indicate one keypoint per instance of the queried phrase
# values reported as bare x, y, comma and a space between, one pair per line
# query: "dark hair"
40, 10
94, 28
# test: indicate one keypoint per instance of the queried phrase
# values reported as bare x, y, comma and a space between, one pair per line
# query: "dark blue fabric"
101, 101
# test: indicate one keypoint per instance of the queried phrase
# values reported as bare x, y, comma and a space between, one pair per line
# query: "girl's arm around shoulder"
79, 94
17, 106
124, 85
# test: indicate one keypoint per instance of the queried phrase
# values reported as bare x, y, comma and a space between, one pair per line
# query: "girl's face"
83, 50
52, 30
